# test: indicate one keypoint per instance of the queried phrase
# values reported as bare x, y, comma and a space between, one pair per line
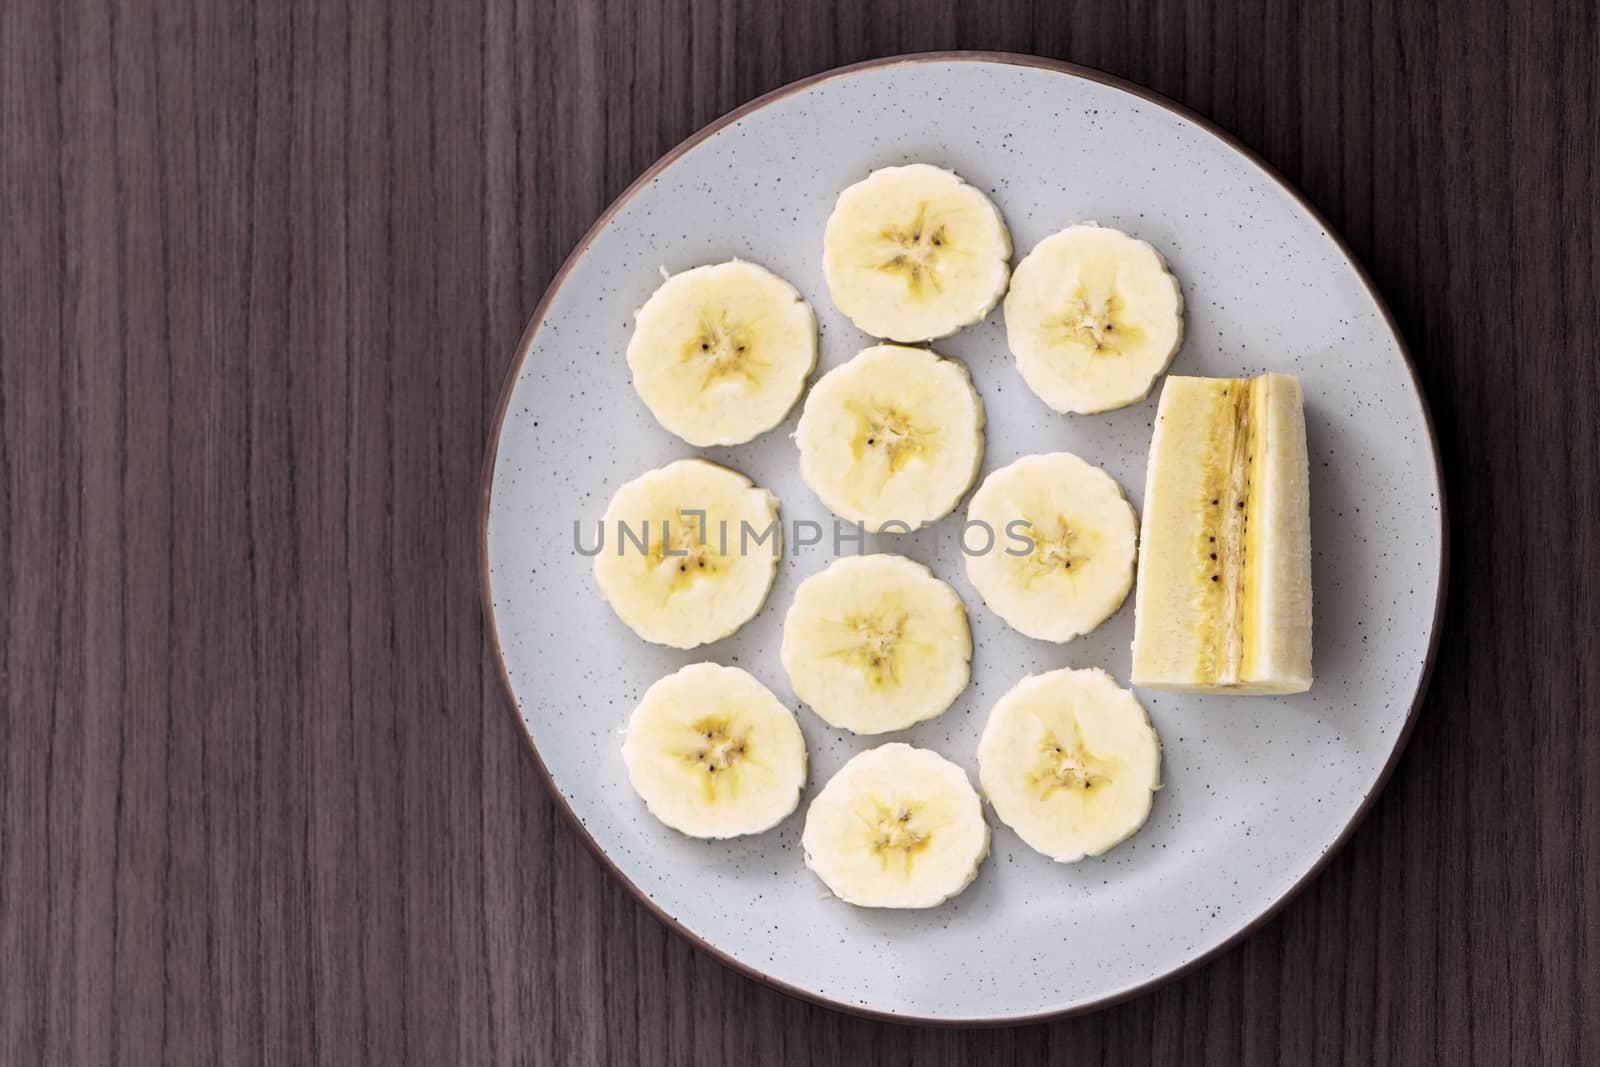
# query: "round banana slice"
1093, 318
915, 253
1069, 760
897, 827
714, 754
720, 353
688, 552
895, 435
876, 643
1062, 552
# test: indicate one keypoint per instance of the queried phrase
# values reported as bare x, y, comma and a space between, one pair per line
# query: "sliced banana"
1224, 603
1093, 317
720, 353
876, 643
897, 827
914, 253
714, 754
1070, 761
1063, 545
688, 552
893, 435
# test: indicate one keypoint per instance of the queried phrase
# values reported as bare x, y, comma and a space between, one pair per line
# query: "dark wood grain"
262, 268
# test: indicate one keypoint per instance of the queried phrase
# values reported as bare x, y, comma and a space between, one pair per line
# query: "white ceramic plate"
1258, 790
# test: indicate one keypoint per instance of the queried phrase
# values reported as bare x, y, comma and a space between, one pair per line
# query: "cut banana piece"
914, 253
720, 353
1093, 318
894, 435
897, 827
688, 552
1063, 545
1069, 760
1224, 602
714, 754
876, 643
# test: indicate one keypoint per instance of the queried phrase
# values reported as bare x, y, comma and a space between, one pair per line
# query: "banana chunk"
1063, 545
1070, 762
876, 643
914, 253
893, 435
688, 552
1093, 318
897, 827
714, 754
720, 353
1224, 602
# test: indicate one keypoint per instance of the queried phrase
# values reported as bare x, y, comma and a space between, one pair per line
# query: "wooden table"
264, 267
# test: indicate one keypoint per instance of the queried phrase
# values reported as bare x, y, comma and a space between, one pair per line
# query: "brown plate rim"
524, 346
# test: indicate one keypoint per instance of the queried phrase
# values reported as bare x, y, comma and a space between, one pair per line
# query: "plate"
1258, 791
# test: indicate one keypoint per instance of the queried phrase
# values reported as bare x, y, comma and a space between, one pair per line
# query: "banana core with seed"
1069, 766
722, 749
684, 547
721, 351
878, 647
921, 244
1094, 324
892, 433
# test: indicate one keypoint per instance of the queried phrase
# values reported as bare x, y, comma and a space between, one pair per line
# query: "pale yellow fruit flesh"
714, 754
720, 353
1224, 584
1082, 532
876, 643
896, 827
675, 581
893, 435
914, 253
1069, 760
1093, 317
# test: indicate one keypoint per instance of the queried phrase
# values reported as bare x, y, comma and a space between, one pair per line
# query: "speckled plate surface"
1258, 790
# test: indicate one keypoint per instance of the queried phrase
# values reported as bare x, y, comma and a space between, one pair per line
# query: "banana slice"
915, 253
1093, 318
1224, 602
688, 552
876, 643
720, 353
897, 827
894, 435
1069, 760
714, 754
1063, 545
